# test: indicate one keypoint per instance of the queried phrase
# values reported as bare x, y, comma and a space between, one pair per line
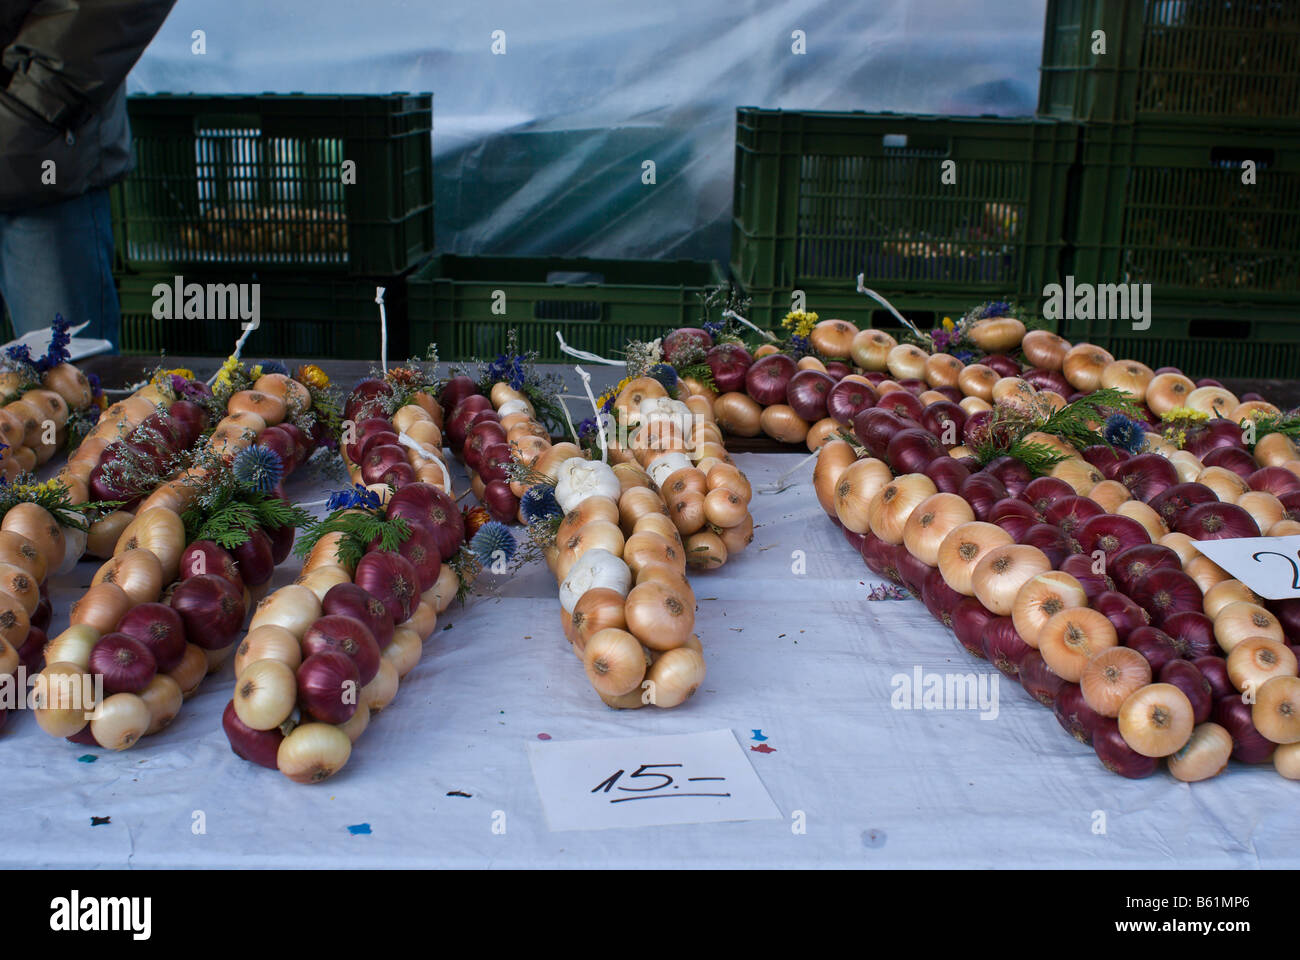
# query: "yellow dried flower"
313, 376
1185, 413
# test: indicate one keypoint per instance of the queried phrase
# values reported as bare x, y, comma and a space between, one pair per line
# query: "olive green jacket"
63, 67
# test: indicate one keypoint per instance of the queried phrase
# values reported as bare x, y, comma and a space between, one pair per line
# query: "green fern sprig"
1070, 423
701, 372
359, 528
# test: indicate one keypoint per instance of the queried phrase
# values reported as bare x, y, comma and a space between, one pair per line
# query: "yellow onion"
943, 370
73, 645
189, 673
1256, 660
1083, 366
101, 607
738, 414
1187, 465
163, 697
661, 617
870, 349
313, 752
1205, 572
1251, 410
907, 362
1044, 349
138, 572
932, 520
972, 405
1214, 401
1069, 639
1275, 449
1111, 676
1263, 507
1181, 544
614, 661
977, 380
782, 424
706, 550
1157, 720
1276, 711
159, 531
1127, 376
293, 607
675, 676
856, 489
1226, 485
1239, 621
1143, 514
1225, 592
382, 688
1082, 476
833, 338
1167, 391
1205, 754
963, 548
403, 652
1042, 597
266, 692
894, 503
835, 457
268, 642
119, 721
40, 527
1002, 571
998, 334
321, 579
1109, 494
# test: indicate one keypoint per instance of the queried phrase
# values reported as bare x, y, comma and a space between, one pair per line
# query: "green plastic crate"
258, 182
467, 304
309, 317
822, 197
1172, 61
1167, 206
1203, 339
927, 311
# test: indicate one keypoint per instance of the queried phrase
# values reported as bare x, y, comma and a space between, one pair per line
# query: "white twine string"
863, 288
383, 329
239, 348
782, 482
406, 440
732, 314
600, 417
584, 355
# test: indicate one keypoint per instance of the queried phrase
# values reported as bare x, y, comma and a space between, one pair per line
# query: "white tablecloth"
806, 659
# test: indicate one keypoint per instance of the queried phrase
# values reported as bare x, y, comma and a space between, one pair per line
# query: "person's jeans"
59, 259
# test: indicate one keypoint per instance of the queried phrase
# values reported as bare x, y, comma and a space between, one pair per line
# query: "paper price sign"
1268, 565
647, 781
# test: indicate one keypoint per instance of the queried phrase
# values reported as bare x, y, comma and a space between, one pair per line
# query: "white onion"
595, 568
584, 479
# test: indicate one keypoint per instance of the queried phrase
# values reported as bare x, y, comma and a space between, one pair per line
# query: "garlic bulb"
514, 406
577, 481
74, 546
595, 568
666, 465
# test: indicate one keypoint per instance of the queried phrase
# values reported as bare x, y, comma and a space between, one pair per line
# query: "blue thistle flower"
493, 538
1124, 432
665, 374
258, 467
355, 496
96, 387
274, 366
713, 328
800, 346
538, 503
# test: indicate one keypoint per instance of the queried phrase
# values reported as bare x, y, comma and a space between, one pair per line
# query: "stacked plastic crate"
317, 200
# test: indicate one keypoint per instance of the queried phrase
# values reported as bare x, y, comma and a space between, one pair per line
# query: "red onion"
846, 400
1288, 615
366, 430
876, 377
806, 393
500, 501
212, 610
255, 559
1070, 513
303, 443
1111, 533
391, 579
204, 556
349, 600
1104, 458
421, 550
1173, 502
728, 363
976, 429
494, 462
102, 489
159, 628
1164, 592
1290, 506
1235, 459
459, 422
1074, 715
1187, 678
1014, 507
366, 399
1154, 644
914, 386
85, 737
838, 369
347, 636
1038, 679
684, 341
1015, 476
1116, 755
455, 390
1274, 480
1082, 567
953, 394
1192, 633
981, 491
380, 460
948, 474
1043, 492
911, 571
1050, 540
1015, 525
189, 420
946, 421
281, 542
969, 618
1146, 475
32, 652
902, 404
1047, 380
125, 663
1002, 365
768, 377
1131, 565
377, 439
875, 427
427, 504
328, 686
882, 558
856, 540
939, 598
1211, 435
911, 450
256, 746
1215, 671
1003, 646
1248, 744
1126, 615
1217, 521
482, 435
398, 475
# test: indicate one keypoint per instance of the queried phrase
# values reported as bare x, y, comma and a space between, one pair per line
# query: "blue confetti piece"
100, 821
358, 829
87, 758
758, 735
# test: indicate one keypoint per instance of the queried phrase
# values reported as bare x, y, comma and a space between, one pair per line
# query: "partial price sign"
1268, 565
648, 781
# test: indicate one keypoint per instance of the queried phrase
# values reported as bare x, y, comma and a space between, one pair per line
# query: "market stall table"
795, 650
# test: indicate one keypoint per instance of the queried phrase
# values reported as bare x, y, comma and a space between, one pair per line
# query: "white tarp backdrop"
539, 149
